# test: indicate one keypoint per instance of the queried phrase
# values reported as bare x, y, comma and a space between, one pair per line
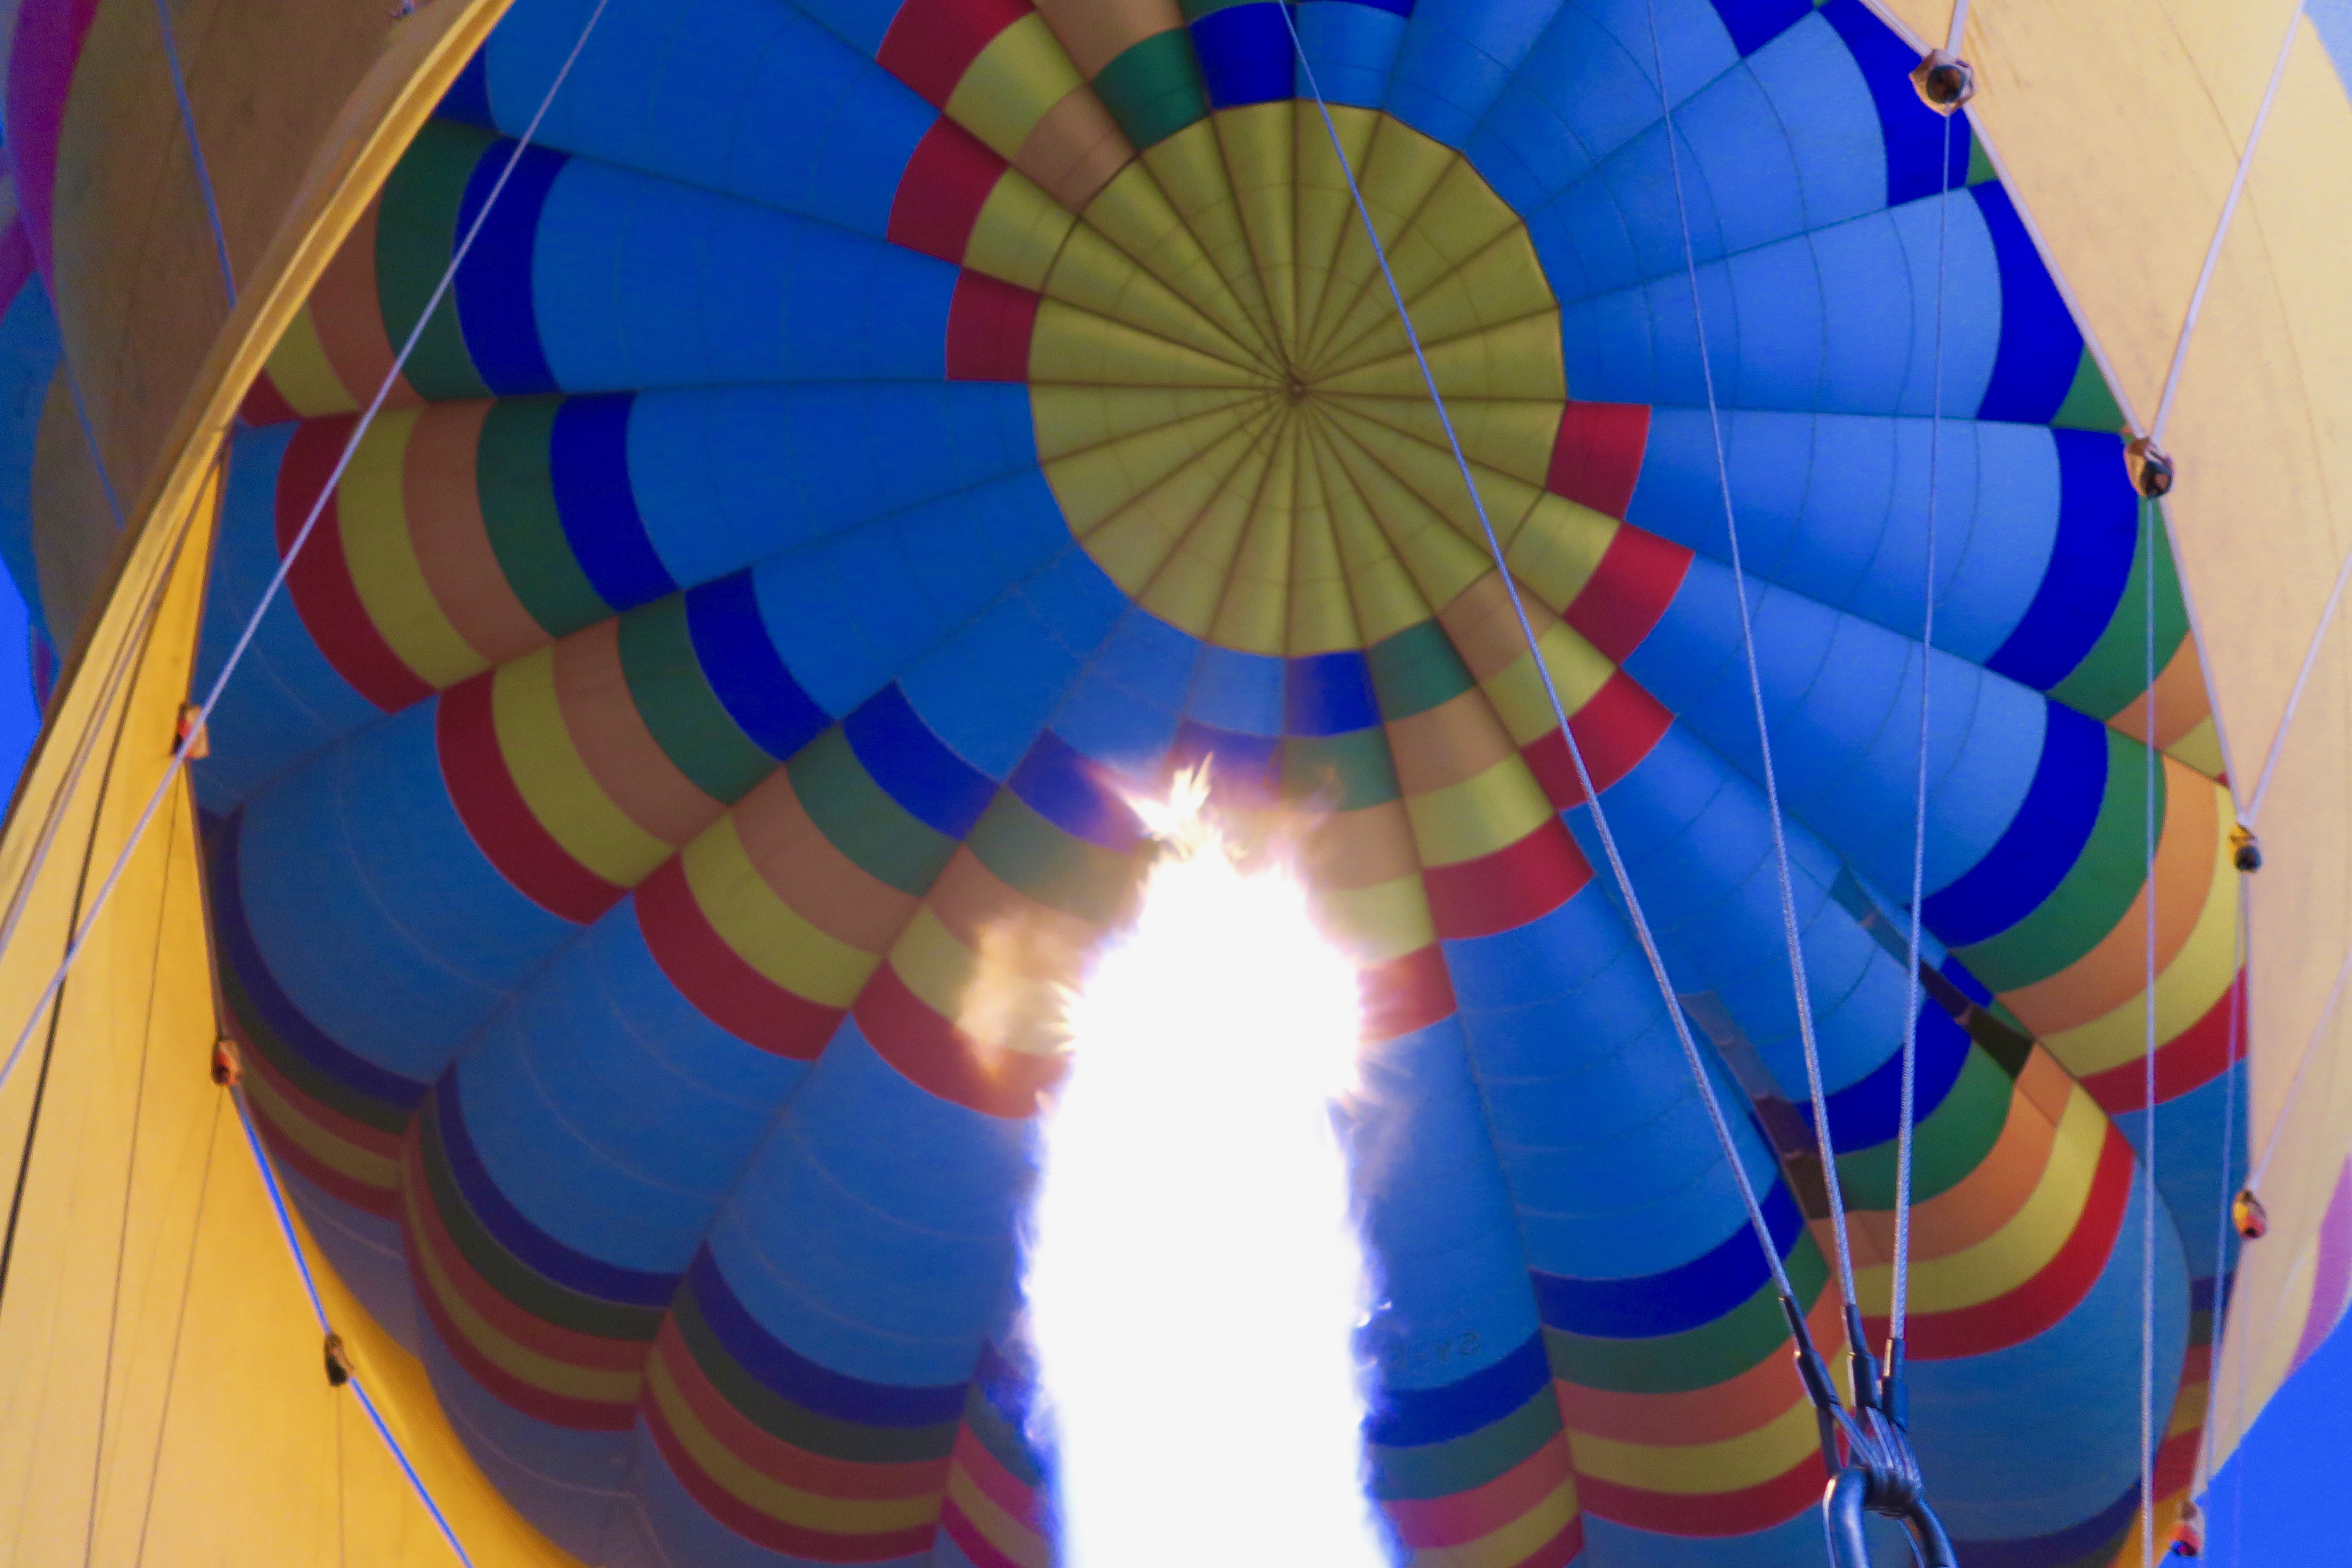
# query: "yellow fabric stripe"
1071, 344
372, 512
1072, 421
1092, 274
1384, 595
1513, 1544
1136, 541
1138, 218
556, 783
1252, 609
1384, 922
1699, 1469
336, 1154
1397, 169
1019, 232
1321, 619
811, 1511
949, 976
1478, 816
2185, 992
1511, 435
1430, 476
1185, 590
1010, 84
765, 932
1007, 1533
1440, 561
525, 1365
304, 376
1258, 145
1460, 227
2025, 1245
1190, 167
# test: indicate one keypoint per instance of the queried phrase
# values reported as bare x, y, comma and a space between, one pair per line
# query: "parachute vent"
1944, 81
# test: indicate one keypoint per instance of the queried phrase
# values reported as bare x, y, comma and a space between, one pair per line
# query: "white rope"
197, 149
1551, 691
1798, 987
2148, 776
1899, 1295
301, 537
1959, 26
2222, 1227
2221, 229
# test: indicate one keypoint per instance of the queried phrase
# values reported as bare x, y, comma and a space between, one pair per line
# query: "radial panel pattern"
648, 843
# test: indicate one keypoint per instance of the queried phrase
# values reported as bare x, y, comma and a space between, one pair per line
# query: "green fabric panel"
1980, 169
1195, 9
416, 234
324, 1087
1415, 670
804, 1429
1697, 1358
996, 1435
1153, 87
518, 493
1443, 1469
1028, 853
888, 842
2090, 403
2115, 670
675, 700
2106, 878
513, 1278
1947, 1147
1344, 772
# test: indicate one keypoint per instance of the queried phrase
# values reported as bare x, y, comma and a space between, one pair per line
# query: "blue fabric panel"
1438, 1220
731, 70
844, 640
521, 1454
1869, 1112
361, 852
914, 767
1245, 55
725, 477
990, 688
578, 1089
873, 1231
810, 1384
1926, 152
1975, 990
536, 1250
2045, 1393
28, 359
1124, 708
2085, 1541
1860, 544
1793, 1541
286, 700
686, 1531
2040, 348
1752, 24
1066, 788
1328, 694
2098, 533
1234, 757
1238, 691
2189, 1130
588, 460
494, 282
751, 683
468, 102
1351, 49
2039, 847
234, 934
1456, 60
643, 282
1411, 1417
1680, 1299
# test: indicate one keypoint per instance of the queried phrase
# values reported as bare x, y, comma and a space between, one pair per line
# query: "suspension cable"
2149, 773
179, 759
1640, 921
2224, 1276
197, 149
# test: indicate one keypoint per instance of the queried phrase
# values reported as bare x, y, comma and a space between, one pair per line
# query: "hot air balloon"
693, 513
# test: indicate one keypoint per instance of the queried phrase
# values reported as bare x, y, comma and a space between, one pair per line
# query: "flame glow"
1194, 1273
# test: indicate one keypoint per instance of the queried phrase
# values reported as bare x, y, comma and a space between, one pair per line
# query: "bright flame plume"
1195, 1276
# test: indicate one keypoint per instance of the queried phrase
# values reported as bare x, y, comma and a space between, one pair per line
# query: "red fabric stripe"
1710, 1514
779, 1461
793, 1539
510, 836
579, 1414
966, 1534
1617, 727
2020, 1314
999, 1485
265, 404
989, 325
2176, 1461
1506, 889
1638, 577
1561, 1550
2198, 1055
383, 1201
939, 1058
343, 1129
427, 1225
1465, 1516
1405, 993
1597, 455
932, 43
947, 181
321, 578
714, 977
